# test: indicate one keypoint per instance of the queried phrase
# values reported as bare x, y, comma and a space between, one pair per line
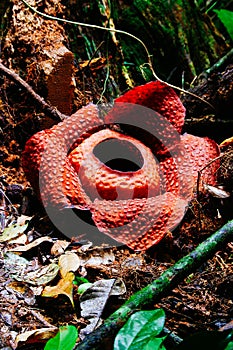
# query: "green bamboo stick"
158, 288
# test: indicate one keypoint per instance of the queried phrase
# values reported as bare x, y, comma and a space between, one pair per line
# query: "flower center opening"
119, 155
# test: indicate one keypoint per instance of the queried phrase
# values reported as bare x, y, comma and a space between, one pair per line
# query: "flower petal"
46, 153
201, 151
160, 98
139, 223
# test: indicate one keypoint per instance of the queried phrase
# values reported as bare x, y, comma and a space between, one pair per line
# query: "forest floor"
203, 301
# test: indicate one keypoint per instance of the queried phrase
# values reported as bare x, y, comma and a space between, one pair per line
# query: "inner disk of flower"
120, 155
114, 166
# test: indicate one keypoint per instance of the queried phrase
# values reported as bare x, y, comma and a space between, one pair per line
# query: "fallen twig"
41, 318
159, 288
51, 111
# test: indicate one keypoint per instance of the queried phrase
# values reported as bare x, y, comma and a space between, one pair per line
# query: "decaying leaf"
118, 288
59, 247
64, 286
227, 142
216, 191
68, 262
31, 245
22, 239
14, 263
35, 336
97, 257
23, 291
85, 247
16, 229
92, 303
40, 276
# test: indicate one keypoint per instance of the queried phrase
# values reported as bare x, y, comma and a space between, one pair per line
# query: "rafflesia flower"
130, 167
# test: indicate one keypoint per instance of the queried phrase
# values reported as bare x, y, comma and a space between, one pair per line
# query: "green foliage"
208, 5
80, 280
83, 287
226, 17
141, 331
65, 339
229, 346
82, 284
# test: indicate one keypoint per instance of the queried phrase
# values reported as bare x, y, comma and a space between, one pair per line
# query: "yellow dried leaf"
64, 286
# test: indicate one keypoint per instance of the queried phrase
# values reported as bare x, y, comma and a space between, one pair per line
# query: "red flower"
137, 203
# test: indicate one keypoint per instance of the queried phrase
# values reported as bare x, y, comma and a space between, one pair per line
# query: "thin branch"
159, 288
51, 111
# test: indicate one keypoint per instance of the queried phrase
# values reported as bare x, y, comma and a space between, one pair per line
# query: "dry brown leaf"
31, 245
22, 239
35, 336
59, 247
92, 303
40, 276
15, 230
23, 291
96, 258
68, 262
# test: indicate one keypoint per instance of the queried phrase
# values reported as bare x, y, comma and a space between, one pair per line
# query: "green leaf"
80, 280
83, 287
229, 341
140, 329
65, 339
155, 343
226, 17
229, 346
